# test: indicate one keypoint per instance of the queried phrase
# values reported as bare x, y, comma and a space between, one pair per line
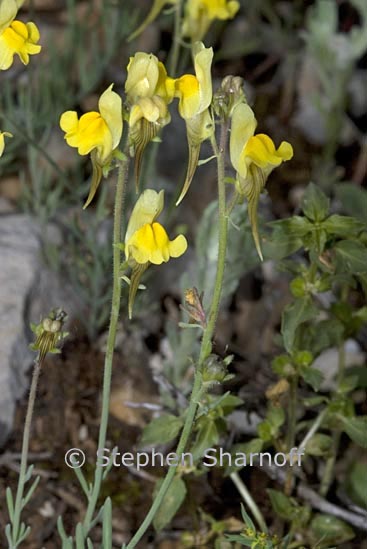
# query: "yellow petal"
69, 121
8, 12
2, 140
146, 210
142, 76
110, 107
19, 39
195, 92
242, 128
151, 244
203, 58
178, 246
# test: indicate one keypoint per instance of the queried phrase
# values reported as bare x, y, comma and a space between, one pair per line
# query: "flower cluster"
149, 92
16, 37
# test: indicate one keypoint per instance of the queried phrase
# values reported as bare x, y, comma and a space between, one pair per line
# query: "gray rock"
28, 291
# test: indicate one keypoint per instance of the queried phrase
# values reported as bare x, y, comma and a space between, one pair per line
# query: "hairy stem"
205, 348
115, 309
292, 424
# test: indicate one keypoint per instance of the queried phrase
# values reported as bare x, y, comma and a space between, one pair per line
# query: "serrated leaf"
315, 203
295, 314
351, 256
353, 199
313, 377
356, 429
342, 225
172, 501
161, 430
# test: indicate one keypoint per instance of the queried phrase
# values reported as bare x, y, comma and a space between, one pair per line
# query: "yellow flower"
16, 37
200, 14
195, 92
2, 140
146, 241
146, 76
149, 90
195, 95
98, 133
254, 157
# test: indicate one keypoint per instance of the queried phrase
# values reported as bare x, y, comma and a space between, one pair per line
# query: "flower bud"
228, 96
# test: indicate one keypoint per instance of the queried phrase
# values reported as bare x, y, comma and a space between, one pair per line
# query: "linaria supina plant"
149, 91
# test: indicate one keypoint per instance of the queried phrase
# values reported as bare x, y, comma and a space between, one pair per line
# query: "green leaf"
342, 225
356, 429
357, 483
295, 314
282, 505
351, 256
276, 416
353, 199
296, 226
107, 524
313, 377
10, 503
171, 503
330, 529
207, 437
319, 445
280, 245
254, 446
315, 203
161, 430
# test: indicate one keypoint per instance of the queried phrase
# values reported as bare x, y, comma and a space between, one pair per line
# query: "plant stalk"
175, 49
248, 499
205, 348
115, 310
24, 455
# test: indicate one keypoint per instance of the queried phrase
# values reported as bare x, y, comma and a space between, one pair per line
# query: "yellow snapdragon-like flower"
98, 133
149, 90
200, 14
16, 37
146, 76
195, 95
254, 157
2, 140
146, 240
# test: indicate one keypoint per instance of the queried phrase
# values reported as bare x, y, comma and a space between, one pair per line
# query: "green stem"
175, 50
328, 475
24, 457
205, 343
248, 499
115, 310
292, 425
